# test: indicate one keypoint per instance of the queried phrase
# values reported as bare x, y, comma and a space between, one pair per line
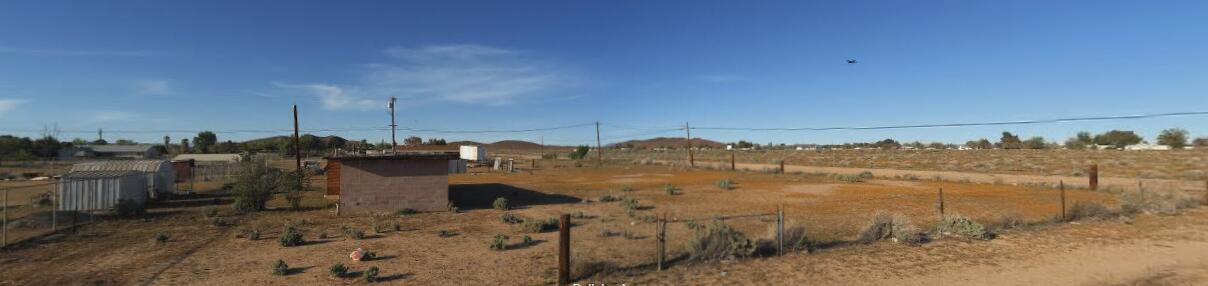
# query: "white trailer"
473, 153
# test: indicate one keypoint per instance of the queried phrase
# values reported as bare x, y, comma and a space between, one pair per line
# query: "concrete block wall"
376, 186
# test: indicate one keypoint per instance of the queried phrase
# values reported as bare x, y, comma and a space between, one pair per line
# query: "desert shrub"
510, 218
1011, 221
895, 227
446, 233
338, 270
629, 204
725, 184
719, 241
580, 152
161, 238
322, 234
584, 269
526, 240
129, 208
218, 221
536, 225
866, 175
280, 268
609, 198
1158, 203
848, 178
627, 189
1087, 210
377, 228
371, 275
256, 183
396, 226
500, 204
962, 226
405, 212
670, 189
354, 233
250, 233
629, 235
291, 237
692, 225
578, 214
795, 239
499, 243
608, 233
210, 211
368, 255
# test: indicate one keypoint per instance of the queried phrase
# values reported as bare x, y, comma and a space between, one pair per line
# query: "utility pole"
691, 160
542, 155
297, 145
599, 151
393, 142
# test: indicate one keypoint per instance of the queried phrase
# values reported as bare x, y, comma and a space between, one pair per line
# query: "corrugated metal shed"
160, 176
100, 190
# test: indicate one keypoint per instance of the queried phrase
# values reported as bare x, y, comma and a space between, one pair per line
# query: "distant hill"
669, 142
513, 145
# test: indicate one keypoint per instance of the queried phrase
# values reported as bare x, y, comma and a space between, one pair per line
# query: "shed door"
333, 178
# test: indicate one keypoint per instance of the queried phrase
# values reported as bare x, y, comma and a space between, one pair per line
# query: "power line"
939, 125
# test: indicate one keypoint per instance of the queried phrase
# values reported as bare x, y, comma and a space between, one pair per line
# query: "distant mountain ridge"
669, 142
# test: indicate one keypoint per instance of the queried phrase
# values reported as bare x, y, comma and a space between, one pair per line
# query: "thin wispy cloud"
152, 87
333, 97
8, 105
66, 52
470, 74
113, 115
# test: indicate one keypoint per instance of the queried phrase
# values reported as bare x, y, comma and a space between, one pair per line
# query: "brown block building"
388, 183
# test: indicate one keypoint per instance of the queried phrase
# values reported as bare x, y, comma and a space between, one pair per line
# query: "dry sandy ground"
1146, 251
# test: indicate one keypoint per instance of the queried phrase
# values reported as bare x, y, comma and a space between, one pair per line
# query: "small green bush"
500, 242
866, 175
725, 184
446, 233
578, 215
795, 238
338, 270
500, 204
368, 255
719, 241
527, 240
250, 233
962, 226
210, 211
161, 238
280, 268
537, 226
371, 275
627, 189
354, 233
670, 189
629, 204
608, 233
406, 212
608, 198
887, 226
129, 208
291, 237
510, 218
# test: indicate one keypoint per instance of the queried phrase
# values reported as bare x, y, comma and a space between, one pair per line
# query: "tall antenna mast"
393, 142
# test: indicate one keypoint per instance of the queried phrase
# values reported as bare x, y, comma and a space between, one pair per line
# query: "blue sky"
637, 66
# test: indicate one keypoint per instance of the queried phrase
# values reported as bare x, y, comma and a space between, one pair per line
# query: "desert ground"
611, 245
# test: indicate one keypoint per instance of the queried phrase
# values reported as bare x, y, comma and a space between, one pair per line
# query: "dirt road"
1128, 184
1147, 251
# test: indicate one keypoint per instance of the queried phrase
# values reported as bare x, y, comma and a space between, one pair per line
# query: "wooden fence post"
782, 166
661, 240
5, 225
1094, 177
54, 207
780, 230
564, 250
1062, 187
732, 166
941, 204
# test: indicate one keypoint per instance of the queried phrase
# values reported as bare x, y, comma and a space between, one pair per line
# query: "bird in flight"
851, 61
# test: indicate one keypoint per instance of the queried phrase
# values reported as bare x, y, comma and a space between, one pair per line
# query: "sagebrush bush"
1157, 203
719, 241
725, 184
510, 218
608, 198
629, 204
406, 212
538, 225
354, 233
500, 204
1083, 210
161, 238
250, 233
578, 214
371, 275
338, 270
889, 226
446, 233
962, 226
280, 268
291, 237
129, 208
210, 211
1011, 221
671, 189
499, 243
795, 238
526, 240
866, 175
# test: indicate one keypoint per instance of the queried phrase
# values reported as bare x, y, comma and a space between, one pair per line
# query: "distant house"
388, 183
1146, 147
138, 151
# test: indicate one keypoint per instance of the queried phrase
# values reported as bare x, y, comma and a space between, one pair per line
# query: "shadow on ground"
481, 196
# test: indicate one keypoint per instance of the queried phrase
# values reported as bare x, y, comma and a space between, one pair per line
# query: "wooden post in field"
1062, 187
297, 147
54, 204
599, 150
941, 203
5, 225
782, 166
1205, 192
691, 160
564, 250
732, 167
780, 230
1094, 177
661, 240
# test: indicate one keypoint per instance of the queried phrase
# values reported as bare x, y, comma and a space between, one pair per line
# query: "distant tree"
1117, 138
203, 141
46, 147
79, 141
1079, 141
125, 142
100, 142
1176, 138
743, 144
436, 141
980, 144
12, 147
1010, 141
1036, 142
226, 147
937, 145
888, 144
1200, 142
580, 152
413, 140
334, 142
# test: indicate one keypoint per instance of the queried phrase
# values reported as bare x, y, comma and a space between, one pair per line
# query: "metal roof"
99, 174
208, 157
400, 156
121, 165
140, 148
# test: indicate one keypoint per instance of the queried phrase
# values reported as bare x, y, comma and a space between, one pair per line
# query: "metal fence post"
941, 204
661, 240
1062, 187
564, 250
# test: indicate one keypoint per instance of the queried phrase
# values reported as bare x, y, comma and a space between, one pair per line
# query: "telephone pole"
297, 145
393, 142
691, 160
599, 150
